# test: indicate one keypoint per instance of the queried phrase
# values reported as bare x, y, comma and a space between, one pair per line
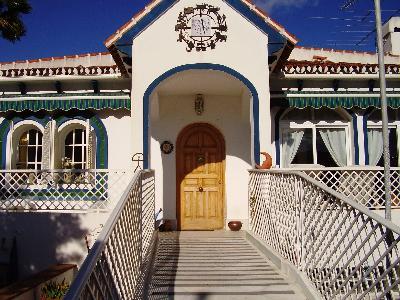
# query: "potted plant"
54, 290
67, 164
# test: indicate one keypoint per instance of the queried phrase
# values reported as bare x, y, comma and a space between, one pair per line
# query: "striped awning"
334, 99
19, 105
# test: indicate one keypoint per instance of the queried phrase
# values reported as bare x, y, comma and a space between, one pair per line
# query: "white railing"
345, 250
115, 265
363, 184
61, 190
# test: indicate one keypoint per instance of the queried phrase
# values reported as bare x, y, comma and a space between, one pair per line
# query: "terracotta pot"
235, 225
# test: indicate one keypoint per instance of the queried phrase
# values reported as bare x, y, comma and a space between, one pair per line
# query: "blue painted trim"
278, 136
356, 146
200, 66
102, 137
125, 42
42, 121
5, 125
63, 119
258, 21
366, 115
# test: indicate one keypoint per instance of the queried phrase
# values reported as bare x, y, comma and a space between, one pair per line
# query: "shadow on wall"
45, 238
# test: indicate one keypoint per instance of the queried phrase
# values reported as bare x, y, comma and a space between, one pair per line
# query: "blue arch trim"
201, 66
41, 121
101, 137
62, 119
5, 128
101, 142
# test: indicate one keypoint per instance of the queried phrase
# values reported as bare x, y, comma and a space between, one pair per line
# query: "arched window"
75, 149
315, 137
29, 152
375, 138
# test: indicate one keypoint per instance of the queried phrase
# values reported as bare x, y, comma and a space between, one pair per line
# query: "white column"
361, 135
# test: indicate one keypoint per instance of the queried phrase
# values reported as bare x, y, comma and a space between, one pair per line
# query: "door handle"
201, 189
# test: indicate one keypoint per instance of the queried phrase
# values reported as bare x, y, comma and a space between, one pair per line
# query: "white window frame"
286, 125
14, 135
36, 146
70, 126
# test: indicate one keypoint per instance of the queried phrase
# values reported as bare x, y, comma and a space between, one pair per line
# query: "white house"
195, 90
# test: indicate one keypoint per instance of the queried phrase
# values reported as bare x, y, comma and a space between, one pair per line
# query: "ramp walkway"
215, 265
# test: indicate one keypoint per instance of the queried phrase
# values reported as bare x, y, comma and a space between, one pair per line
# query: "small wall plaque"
167, 147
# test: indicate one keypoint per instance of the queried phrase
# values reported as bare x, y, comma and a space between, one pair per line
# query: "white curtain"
335, 141
375, 145
290, 145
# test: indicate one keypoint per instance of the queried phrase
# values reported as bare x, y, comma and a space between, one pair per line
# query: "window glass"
324, 158
30, 150
304, 154
75, 149
393, 151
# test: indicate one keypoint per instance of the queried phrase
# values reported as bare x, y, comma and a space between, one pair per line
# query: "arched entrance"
200, 174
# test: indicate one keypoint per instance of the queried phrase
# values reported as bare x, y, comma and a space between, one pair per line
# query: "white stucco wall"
54, 238
156, 51
224, 113
120, 140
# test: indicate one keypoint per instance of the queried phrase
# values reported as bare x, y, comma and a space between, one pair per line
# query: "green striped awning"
346, 102
335, 99
63, 104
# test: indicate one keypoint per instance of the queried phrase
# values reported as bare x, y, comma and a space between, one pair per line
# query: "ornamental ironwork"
201, 27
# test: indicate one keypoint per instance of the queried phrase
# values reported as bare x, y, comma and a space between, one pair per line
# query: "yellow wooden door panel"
200, 169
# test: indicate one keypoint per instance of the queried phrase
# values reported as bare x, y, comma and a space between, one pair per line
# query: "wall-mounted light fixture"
199, 104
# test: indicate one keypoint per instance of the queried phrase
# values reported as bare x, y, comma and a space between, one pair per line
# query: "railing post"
300, 219
141, 218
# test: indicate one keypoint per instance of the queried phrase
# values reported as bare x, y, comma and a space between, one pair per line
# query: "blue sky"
57, 28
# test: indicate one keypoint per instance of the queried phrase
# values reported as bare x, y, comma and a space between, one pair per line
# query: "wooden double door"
200, 163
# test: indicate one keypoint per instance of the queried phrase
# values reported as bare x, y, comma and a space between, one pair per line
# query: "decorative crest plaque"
201, 27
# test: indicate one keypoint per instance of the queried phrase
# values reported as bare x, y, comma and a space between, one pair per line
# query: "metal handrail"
88, 266
340, 196
347, 168
345, 250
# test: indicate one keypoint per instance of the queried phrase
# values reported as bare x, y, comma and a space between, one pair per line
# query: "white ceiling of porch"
206, 82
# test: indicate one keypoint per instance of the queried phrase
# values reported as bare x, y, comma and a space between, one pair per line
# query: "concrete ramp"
215, 265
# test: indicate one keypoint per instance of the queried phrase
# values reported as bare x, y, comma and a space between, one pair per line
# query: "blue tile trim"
277, 135
200, 66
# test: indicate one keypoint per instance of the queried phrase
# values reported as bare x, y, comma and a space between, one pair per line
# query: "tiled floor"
215, 265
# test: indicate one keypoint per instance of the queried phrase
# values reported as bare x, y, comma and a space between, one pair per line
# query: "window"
375, 138
75, 151
30, 150
315, 137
